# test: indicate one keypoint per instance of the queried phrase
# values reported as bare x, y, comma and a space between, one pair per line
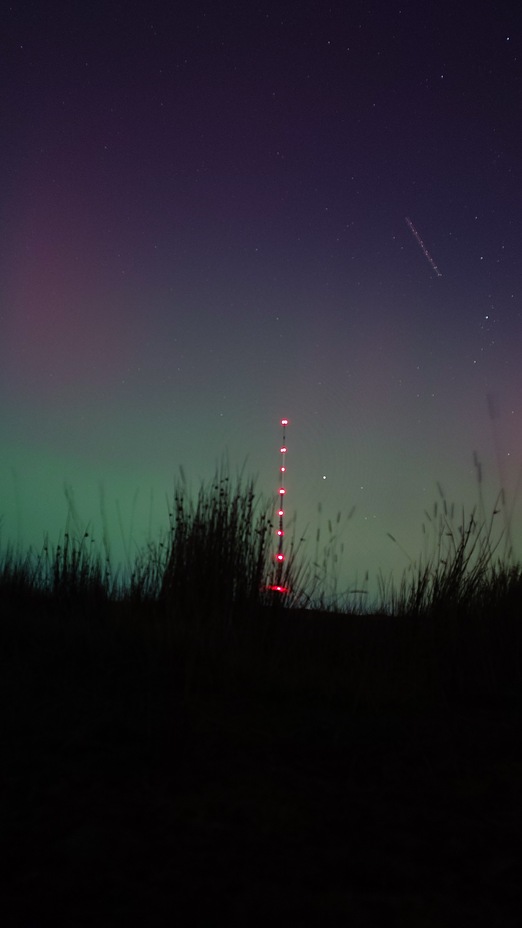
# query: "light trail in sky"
410, 225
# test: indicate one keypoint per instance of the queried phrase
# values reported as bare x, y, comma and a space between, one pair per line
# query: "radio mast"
278, 585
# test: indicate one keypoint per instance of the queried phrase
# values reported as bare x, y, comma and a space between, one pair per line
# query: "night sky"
218, 214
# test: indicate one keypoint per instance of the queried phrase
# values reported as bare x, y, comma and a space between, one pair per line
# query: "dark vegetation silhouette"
451, 626
181, 727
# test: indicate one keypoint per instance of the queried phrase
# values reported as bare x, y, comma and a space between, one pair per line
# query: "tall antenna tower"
278, 584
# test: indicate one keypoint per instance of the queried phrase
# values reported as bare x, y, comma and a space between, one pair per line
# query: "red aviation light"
277, 584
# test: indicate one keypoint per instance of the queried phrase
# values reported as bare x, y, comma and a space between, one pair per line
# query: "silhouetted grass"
217, 557
169, 731
461, 566
451, 630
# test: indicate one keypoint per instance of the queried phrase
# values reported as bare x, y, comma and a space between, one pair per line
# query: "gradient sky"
204, 229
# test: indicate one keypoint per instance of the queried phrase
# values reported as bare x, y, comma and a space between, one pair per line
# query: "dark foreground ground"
134, 791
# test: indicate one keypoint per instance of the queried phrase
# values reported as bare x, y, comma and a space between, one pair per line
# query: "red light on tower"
278, 584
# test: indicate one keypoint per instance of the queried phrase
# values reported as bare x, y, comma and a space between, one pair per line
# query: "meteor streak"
425, 251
